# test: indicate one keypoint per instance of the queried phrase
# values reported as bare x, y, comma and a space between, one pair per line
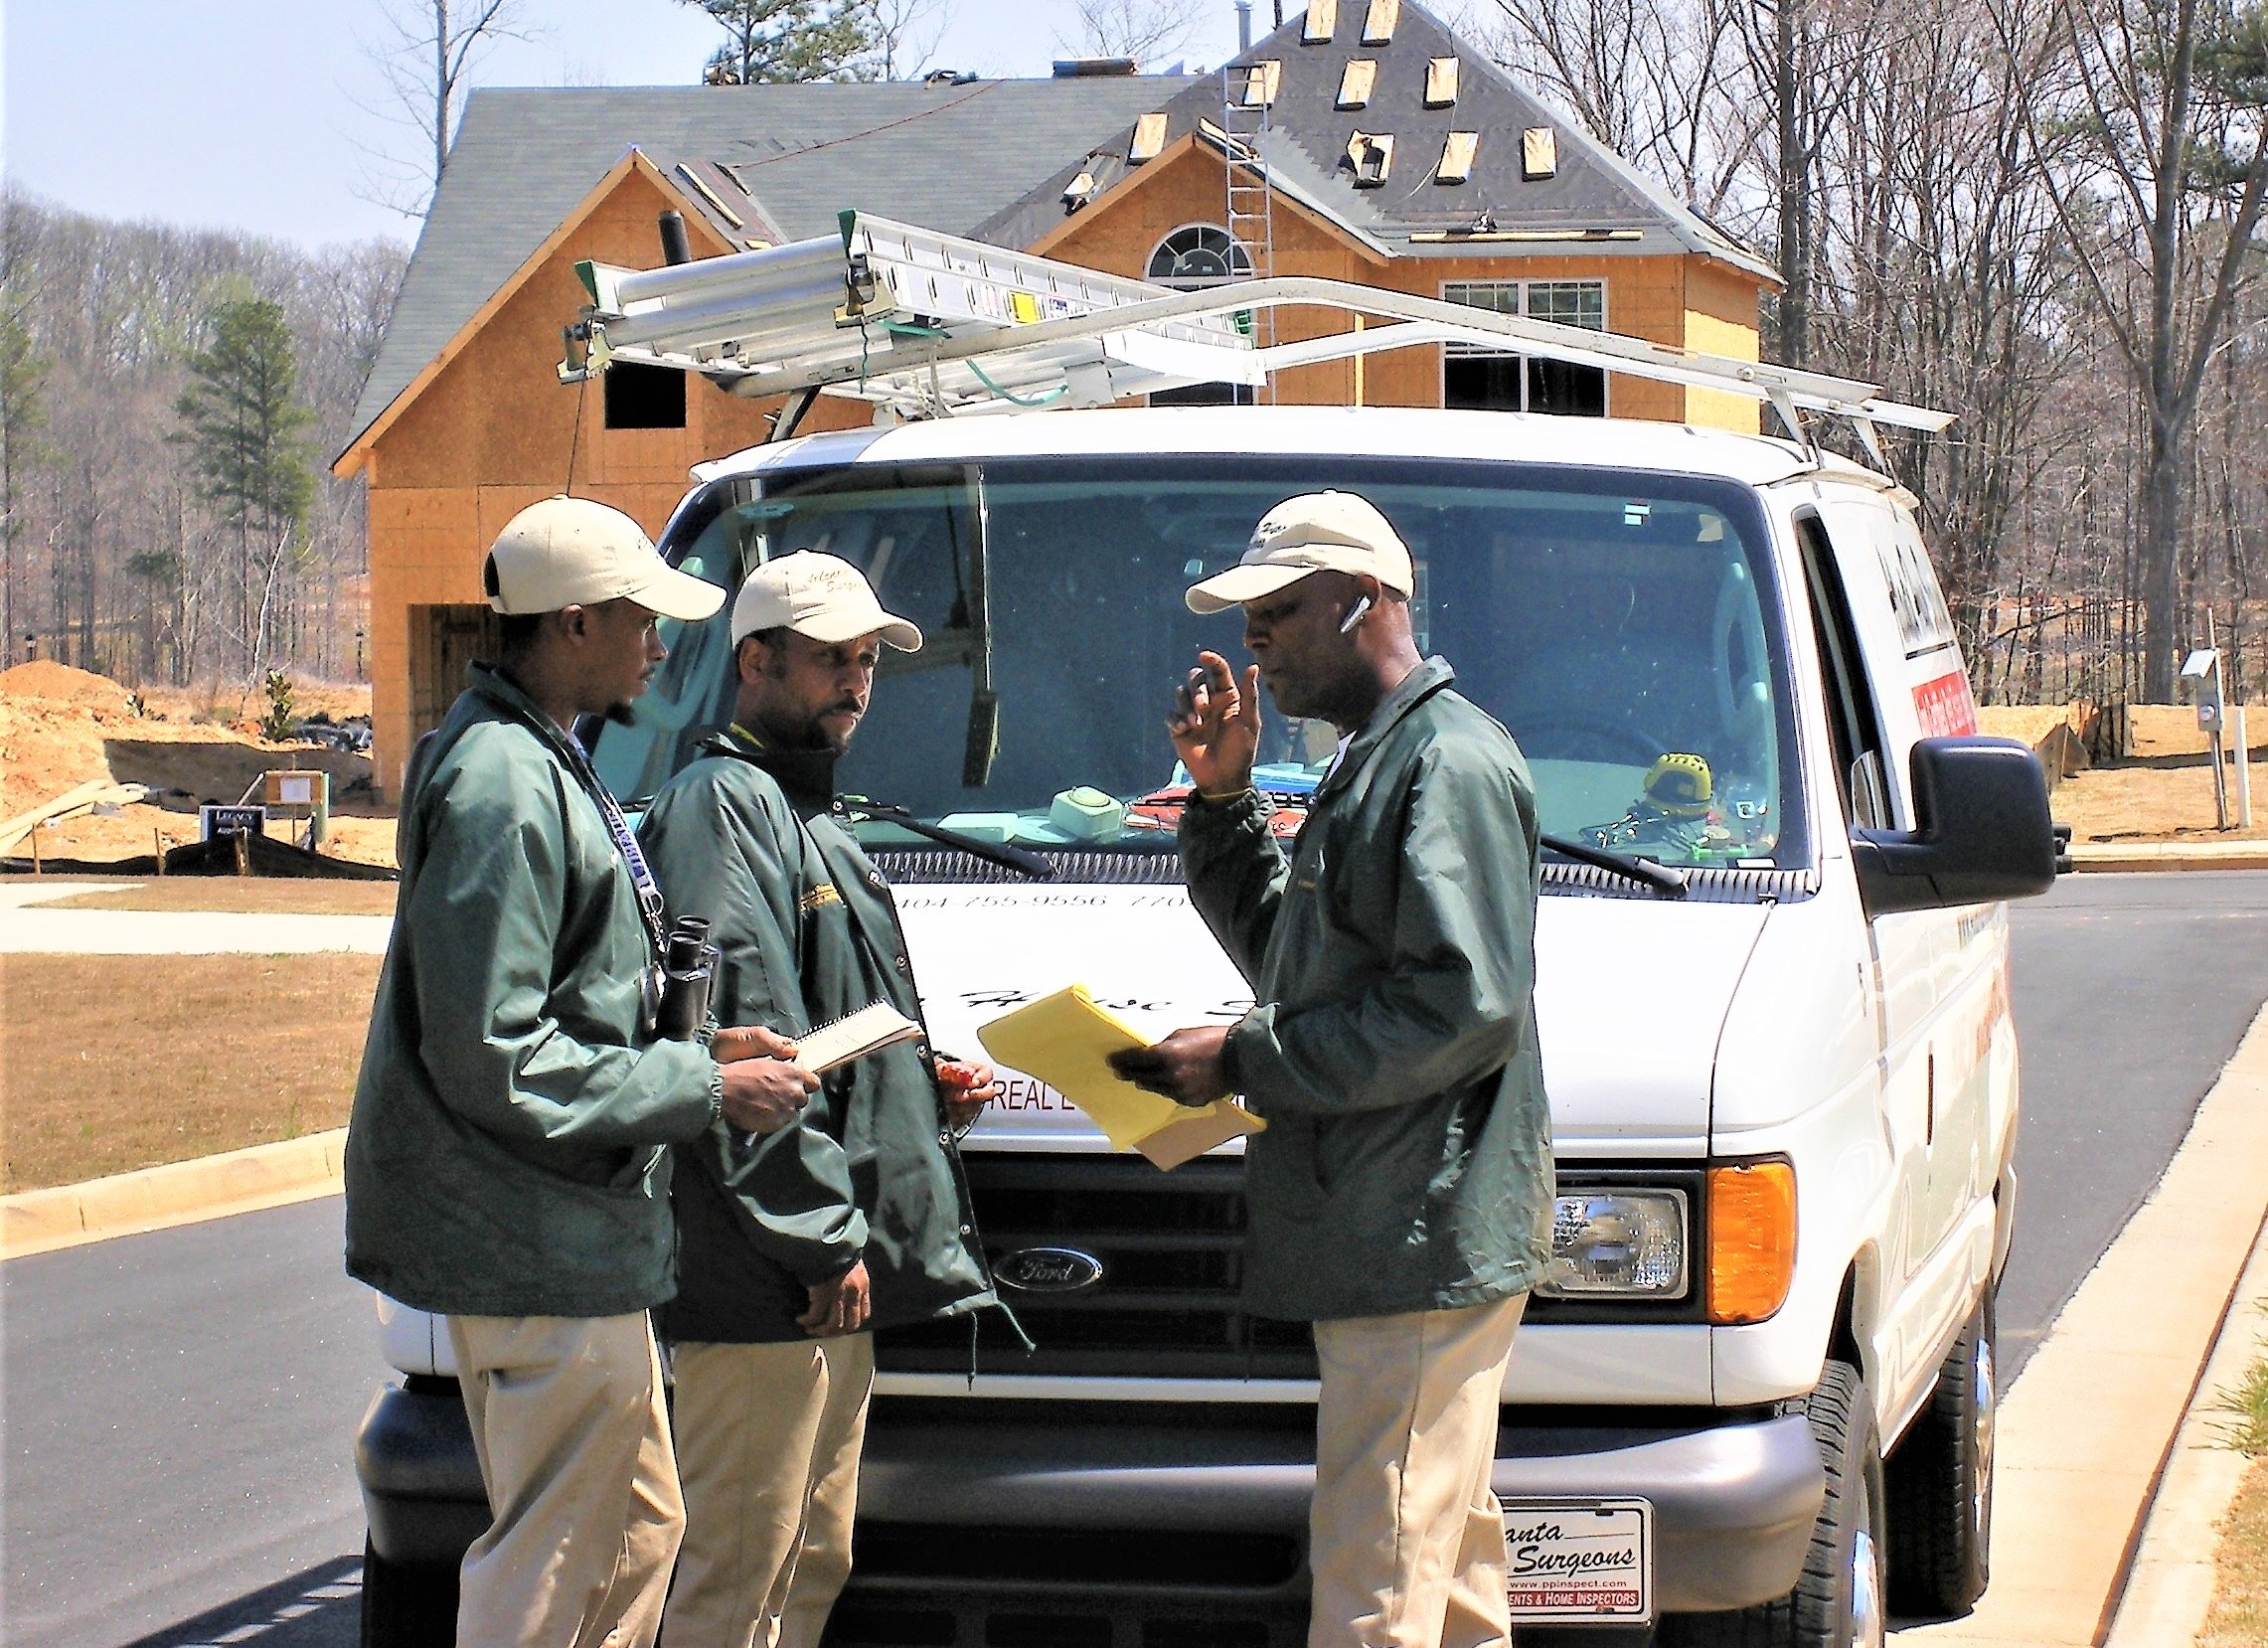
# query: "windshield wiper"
1019, 858
1669, 881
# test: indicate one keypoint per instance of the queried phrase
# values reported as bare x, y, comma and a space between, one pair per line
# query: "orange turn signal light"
1751, 1240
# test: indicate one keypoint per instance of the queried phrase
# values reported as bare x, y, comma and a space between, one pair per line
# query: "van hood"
1631, 996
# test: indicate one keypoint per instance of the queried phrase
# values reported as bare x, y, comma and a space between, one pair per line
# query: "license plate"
1579, 1559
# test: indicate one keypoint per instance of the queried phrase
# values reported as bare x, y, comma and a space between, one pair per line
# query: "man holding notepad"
1400, 1197
792, 1249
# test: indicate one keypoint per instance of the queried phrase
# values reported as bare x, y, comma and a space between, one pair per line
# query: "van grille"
1171, 1251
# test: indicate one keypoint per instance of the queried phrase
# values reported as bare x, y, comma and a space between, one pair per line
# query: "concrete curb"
178, 1192
2088, 1435
2170, 1587
2169, 856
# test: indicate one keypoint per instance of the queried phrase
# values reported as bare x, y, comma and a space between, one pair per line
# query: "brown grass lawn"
113, 1062
253, 895
2239, 1617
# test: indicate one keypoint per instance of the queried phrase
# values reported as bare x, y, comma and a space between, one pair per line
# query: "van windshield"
1622, 624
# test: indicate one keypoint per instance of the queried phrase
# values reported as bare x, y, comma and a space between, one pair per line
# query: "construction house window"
1190, 259
644, 397
1198, 256
1479, 379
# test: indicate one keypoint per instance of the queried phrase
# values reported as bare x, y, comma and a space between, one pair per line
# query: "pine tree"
243, 427
772, 41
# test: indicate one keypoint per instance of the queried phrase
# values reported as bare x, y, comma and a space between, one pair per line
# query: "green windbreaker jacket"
808, 933
1407, 1163
505, 1153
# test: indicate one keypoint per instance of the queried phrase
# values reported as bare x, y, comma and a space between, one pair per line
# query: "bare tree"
1144, 30
905, 35
1664, 86
428, 51
2162, 166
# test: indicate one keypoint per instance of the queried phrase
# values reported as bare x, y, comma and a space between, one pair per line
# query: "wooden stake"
157, 841
243, 852
37, 869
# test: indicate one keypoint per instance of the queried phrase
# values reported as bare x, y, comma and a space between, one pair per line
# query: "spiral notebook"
854, 1036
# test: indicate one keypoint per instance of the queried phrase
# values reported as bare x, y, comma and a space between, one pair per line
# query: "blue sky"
246, 114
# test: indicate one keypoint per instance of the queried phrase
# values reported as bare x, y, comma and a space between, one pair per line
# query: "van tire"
405, 1605
1839, 1601
1940, 1482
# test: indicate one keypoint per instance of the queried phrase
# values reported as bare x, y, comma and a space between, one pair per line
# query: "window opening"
1196, 257
1476, 378
641, 396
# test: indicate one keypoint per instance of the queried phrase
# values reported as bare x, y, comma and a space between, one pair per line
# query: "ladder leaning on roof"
929, 325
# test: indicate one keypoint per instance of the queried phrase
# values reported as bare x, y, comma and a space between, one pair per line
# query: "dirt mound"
58, 683
62, 727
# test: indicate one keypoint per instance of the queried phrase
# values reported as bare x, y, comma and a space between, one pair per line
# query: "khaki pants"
769, 1436
1405, 1537
575, 1452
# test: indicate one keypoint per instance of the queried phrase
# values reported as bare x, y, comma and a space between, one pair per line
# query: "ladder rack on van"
933, 325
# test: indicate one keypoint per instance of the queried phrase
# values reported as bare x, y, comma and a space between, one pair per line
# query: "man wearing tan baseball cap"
788, 1259
1400, 1199
514, 1104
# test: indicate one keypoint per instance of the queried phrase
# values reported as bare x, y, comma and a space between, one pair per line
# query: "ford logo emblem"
1047, 1270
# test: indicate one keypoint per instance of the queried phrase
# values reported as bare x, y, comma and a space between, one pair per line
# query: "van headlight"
1621, 1243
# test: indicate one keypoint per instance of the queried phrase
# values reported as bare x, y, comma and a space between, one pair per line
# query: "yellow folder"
1066, 1041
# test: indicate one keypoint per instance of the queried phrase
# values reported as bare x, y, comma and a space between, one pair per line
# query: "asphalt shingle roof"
1592, 188
991, 159
946, 156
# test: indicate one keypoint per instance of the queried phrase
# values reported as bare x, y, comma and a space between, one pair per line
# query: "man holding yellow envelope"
1400, 1195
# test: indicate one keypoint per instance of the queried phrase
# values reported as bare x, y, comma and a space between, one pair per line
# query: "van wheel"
1940, 1483
1839, 1601
405, 1606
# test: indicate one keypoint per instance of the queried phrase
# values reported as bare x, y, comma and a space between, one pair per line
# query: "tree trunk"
1794, 326
2160, 567
441, 90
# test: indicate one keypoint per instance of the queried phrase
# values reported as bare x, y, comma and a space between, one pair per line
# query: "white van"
1754, 1404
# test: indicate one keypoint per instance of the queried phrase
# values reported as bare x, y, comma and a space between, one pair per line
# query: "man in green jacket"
796, 1246
1400, 1195
506, 1162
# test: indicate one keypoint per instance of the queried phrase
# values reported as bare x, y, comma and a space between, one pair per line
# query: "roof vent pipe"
676, 248
1079, 68
1244, 25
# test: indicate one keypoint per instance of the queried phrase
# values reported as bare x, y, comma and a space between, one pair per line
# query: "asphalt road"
177, 1407
2131, 992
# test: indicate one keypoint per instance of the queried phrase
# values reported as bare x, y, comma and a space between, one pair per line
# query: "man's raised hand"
1216, 725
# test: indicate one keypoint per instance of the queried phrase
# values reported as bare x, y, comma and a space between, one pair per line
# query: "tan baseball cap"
1317, 532
819, 595
575, 552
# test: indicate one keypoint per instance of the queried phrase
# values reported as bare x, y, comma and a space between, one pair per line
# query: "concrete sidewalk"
2085, 1435
27, 927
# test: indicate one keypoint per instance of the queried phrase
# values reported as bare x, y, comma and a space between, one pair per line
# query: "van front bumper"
968, 1509
421, 1492
1205, 1512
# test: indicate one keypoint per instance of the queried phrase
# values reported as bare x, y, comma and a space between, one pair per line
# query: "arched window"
1198, 256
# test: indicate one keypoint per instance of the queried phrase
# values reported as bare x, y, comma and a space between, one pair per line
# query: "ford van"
1754, 1403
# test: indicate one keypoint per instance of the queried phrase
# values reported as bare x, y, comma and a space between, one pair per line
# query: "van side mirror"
1984, 833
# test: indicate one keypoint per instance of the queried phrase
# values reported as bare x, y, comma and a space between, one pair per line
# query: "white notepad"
869, 1030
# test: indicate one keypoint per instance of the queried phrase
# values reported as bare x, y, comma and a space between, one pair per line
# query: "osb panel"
1721, 319
497, 413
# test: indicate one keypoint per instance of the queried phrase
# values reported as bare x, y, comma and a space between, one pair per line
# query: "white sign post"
2201, 670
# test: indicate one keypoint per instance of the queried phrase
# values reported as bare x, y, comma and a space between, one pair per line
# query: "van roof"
1383, 431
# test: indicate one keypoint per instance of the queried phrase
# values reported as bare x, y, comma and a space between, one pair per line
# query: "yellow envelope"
1066, 1041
